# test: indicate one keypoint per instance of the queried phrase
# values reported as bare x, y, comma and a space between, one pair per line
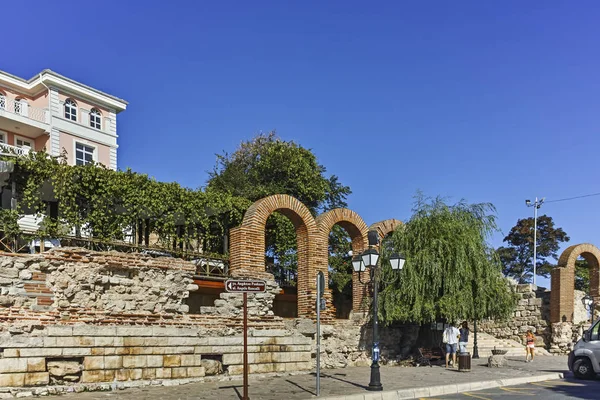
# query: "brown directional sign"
245, 286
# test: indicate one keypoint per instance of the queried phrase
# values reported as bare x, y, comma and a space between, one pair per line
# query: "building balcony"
7, 149
19, 116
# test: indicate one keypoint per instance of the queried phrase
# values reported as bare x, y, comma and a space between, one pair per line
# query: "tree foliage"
451, 272
105, 204
268, 165
517, 255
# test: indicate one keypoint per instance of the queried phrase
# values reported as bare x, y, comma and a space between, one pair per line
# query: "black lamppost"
360, 263
475, 348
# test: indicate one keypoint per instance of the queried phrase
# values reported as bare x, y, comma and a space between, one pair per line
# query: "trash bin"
464, 362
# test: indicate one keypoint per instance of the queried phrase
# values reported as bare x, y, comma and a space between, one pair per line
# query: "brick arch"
385, 227
563, 280
247, 247
357, 229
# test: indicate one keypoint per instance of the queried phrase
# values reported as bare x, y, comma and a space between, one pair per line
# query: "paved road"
335, 382
547, 390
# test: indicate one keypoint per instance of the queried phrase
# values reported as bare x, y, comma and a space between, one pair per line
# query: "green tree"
451, 271
267, 165
582, 275
517, 255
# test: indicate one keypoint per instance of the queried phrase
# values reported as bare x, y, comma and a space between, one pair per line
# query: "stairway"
486, 343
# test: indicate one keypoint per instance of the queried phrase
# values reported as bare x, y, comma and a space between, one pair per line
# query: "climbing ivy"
107, 205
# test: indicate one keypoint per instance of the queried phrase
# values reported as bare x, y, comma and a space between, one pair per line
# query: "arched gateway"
247, 245
563, 280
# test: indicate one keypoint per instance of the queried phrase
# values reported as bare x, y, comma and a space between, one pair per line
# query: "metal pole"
535, 207
245, 347
375, 383
318, 303
475, 349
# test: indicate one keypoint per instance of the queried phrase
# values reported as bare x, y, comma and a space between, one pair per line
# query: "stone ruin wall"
72, 318
533, 313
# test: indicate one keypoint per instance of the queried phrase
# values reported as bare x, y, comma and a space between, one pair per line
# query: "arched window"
2, 101
71, 110
95, 118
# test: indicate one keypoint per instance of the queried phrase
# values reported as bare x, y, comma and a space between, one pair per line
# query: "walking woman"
530, 346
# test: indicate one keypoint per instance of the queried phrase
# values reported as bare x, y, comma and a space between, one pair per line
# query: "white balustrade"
22, 108
18, 151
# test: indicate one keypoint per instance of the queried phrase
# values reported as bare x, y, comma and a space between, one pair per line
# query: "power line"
573, 198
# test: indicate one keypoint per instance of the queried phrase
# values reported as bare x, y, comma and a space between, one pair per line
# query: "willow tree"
451, 271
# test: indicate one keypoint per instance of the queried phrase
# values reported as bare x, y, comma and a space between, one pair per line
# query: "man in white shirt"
451, 335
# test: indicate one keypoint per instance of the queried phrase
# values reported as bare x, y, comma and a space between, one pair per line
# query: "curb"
416, 393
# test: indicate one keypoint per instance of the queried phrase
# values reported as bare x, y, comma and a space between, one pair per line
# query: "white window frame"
3, 101
84, 143
24, 139
4, 137
95, 117
72, 108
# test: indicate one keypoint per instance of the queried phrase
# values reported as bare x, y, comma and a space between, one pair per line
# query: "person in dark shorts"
463, 341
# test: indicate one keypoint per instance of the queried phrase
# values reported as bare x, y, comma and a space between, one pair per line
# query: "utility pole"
536, 205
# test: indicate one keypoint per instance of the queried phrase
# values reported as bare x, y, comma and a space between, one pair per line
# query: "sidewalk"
350, 383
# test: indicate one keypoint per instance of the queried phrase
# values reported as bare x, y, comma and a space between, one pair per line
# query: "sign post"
245, 287
320, 303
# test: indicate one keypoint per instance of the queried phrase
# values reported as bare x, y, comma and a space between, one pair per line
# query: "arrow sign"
245, 286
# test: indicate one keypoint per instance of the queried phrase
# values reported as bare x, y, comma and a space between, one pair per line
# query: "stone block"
94, 330
109, 375
179, 373
134, 361
77, 351
136, 374
172, 360
212, 367
103, 341
234, 359
269, 333
204, 350
122, 374
163, 373
90, 363
36, 378
97, 351
12, 380
36, 364
10, 353
149, 373
168, 331
41, 352
190, 360
62, 368
133, 341
94, 376
58, 330
196, 372
183, 341
9, 365
113, 362
123, 351
154, 361
134, 331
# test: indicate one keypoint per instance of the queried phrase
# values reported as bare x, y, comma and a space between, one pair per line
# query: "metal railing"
23, 109
13, 150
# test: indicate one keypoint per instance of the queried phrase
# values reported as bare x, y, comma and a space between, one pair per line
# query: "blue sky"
487, 101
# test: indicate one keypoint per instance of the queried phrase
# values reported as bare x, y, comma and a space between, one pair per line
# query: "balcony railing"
23, 109
7, 149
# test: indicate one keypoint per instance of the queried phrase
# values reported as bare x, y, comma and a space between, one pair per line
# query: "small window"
83, 154
95, 118
20, 107
2, 101
71, 110
2, 137
22, 142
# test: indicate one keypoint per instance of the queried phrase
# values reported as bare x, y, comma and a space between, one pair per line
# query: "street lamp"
360, 263
588, 302
536, 205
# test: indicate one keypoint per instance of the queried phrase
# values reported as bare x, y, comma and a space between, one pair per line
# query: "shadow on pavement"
577, 389
235, 388
306, 390
344, 380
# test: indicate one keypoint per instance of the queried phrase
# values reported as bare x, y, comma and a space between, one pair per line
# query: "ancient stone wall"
75, 318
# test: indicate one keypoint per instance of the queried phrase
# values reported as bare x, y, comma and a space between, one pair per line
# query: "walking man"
450, 337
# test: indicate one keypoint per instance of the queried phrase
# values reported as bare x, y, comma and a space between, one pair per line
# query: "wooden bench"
427, 355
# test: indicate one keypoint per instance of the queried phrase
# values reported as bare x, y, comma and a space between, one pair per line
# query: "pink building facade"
53, 113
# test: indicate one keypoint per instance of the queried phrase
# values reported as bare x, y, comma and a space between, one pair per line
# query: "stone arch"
563, 280
247, 244
357, 229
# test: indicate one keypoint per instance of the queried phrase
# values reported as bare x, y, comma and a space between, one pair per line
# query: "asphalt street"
547, 390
